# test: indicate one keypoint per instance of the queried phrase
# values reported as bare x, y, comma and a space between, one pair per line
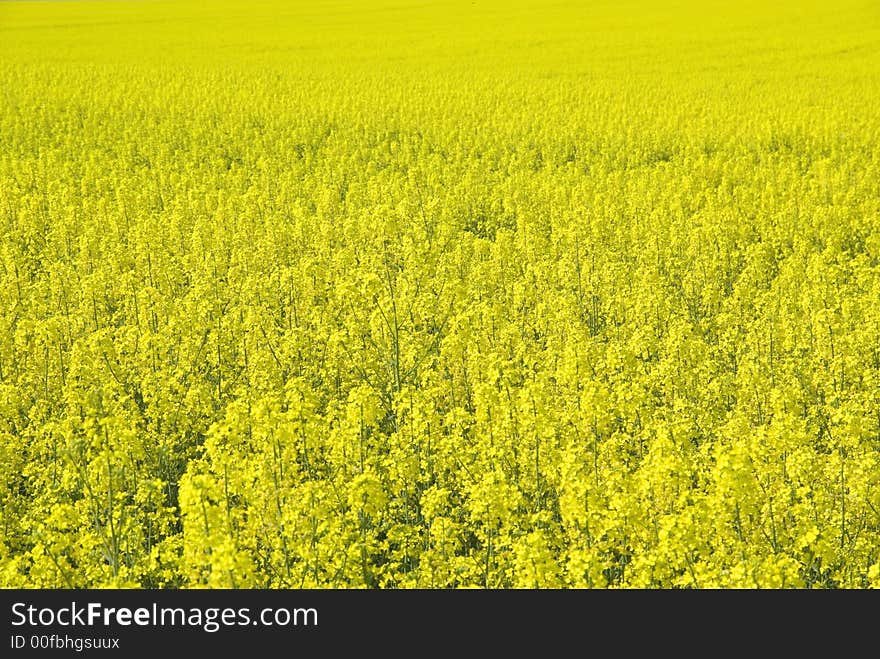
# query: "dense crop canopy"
397, 294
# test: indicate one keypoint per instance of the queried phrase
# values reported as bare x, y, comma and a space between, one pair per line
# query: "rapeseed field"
399, 294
